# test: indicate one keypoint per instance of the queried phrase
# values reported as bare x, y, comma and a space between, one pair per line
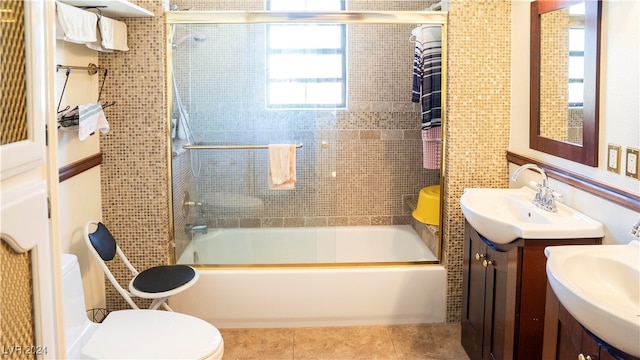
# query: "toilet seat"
154, 334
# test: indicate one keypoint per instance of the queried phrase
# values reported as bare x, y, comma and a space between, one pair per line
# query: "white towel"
91, 119
75, 25
282, 166
114, 34
97, 45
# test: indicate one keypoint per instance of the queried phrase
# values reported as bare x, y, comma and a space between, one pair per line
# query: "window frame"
576, 54
342, 80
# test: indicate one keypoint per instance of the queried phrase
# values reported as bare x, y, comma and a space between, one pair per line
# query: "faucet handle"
539, 193
556, 194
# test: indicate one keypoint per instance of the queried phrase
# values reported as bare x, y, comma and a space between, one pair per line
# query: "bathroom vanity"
504, 294
566, 338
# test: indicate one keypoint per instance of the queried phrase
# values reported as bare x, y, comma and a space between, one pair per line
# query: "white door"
28, 316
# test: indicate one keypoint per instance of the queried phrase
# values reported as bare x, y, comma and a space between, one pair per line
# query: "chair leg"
166, 306
156, 303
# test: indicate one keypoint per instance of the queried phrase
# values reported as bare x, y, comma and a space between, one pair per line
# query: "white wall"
619, 111
79, 198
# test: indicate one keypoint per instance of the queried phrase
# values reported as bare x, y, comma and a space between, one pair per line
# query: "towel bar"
228, 147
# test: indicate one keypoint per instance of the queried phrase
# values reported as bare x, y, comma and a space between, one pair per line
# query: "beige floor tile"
258, 344
343, 343
427, 342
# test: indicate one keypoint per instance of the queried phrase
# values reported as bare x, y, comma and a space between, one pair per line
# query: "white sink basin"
504, 215
600, 286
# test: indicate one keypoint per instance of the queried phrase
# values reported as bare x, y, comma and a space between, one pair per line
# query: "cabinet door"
473, 297
501, 299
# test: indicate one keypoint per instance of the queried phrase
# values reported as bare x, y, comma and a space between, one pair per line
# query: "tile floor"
392, 342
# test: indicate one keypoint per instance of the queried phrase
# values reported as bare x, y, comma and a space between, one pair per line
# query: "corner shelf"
113, 8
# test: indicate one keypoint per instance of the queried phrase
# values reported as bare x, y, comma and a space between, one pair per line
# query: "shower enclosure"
337, 85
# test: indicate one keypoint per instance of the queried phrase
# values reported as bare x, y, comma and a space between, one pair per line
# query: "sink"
504, 215
600, 286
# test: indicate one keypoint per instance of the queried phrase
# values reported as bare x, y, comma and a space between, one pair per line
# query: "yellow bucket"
428, 209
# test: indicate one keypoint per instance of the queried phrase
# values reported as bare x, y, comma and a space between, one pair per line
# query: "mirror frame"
587, 153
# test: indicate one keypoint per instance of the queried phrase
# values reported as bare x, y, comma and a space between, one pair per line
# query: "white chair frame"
158, 299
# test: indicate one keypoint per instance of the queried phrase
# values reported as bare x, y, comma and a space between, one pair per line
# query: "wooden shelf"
113, 8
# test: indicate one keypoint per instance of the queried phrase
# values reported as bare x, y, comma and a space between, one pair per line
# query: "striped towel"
91, 118
427, 75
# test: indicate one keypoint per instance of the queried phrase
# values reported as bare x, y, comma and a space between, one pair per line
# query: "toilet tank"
76, 323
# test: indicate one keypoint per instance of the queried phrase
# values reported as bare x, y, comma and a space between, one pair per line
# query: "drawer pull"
487, 263
479, 256
582, 357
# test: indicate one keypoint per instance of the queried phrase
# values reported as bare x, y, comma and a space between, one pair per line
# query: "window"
576, 56
306, 63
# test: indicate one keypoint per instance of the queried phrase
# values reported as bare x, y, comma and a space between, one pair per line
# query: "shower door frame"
278, 17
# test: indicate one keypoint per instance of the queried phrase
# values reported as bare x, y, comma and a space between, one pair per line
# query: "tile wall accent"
135, 198
478, 119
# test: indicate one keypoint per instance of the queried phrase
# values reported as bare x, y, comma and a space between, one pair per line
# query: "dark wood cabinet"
565, 338
503, 296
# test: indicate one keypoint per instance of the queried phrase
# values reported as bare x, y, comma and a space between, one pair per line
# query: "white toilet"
132, 334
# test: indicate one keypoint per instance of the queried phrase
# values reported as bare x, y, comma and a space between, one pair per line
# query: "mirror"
565, 52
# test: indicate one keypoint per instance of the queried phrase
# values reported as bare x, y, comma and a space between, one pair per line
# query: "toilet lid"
152, 334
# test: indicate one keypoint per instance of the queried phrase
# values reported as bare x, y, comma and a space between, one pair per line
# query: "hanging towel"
97, 45
427, 75
282, 166
75, 25
431, 145
114, 34
91, 119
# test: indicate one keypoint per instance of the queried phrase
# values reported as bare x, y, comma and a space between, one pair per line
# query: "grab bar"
228, 147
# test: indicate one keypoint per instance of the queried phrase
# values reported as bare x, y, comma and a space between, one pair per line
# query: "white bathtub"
382, 290
342, 244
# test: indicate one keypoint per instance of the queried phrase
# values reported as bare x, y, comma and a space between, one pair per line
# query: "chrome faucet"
544, 198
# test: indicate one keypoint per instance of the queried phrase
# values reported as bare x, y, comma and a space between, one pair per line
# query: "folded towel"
75, 25
91, 118
282, 166
114, 34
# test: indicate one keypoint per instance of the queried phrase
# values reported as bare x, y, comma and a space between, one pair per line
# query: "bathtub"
325, 276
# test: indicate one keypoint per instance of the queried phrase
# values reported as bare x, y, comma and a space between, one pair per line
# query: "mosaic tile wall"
554, 75
135, 197
478, 119
182, 184
575, 124
134, 184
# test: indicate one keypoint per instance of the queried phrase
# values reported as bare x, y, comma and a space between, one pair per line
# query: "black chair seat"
163, 278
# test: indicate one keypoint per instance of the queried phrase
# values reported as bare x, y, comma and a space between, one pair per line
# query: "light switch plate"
632, 162
613, 158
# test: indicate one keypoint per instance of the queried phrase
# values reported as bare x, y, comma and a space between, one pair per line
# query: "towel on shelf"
113, 33
91, 118
75, 25
427, 75
282, 166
